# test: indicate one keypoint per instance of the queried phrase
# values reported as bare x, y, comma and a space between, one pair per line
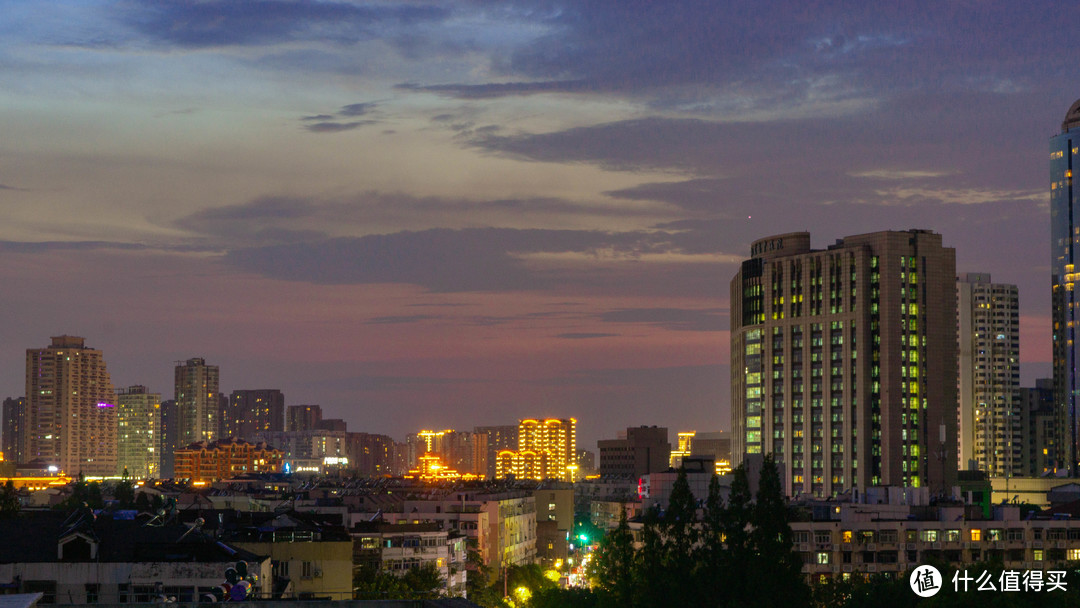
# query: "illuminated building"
206, 461
370, 455
990, 419
686, 439
462, 451
196, 401
498, 438
1065, 308
547, 449
432, 468
254, 410
70, 409
844, 361
138, 432
716, 446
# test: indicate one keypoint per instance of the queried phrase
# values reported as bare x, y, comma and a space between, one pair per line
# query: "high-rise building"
255, 410
371, 455
14, 420
844, 360
1037, 424
547, 449
302, 417
499, 438
1065, 308
196, 401
70, 408
138, 433
637, 452
169, 438
989, 433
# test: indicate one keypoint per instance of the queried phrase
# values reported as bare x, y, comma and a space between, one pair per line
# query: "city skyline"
413, 213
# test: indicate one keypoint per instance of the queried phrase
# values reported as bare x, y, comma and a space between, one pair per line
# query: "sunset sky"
451, 214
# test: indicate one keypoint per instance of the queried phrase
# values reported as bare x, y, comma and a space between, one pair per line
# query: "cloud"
319, 117
680, 319
47, 246
357, 109
400, 319
337, 127
501, 89
585, 335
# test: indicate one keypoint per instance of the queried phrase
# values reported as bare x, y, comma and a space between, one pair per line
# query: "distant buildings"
207, 461
1037, 422
254, 410
499, 438
1065, 308
844, 360
989, 431
302, 417
70, 408
547, 449
371, 455
714, 445
139, 436
196, 401
638, 451
13, 418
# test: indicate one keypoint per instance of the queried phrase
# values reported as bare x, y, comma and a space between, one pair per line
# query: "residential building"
400, 547
638, 451
13, 418
499, 438
302, 417
844, 361
1064, 306
989, 431
325, 450
547, 449
332, 424
254, 410
169, 426
207, 461
197, 401
1037, 427
138, 429
70, 408
370, 455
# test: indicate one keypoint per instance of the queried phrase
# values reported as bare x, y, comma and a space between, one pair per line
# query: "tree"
775, 566
710, 554
424, 583
9, 501
612, 568
735, 523
124, 493
680, 536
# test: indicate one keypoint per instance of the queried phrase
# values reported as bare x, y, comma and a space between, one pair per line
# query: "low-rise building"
399, 547
205, 462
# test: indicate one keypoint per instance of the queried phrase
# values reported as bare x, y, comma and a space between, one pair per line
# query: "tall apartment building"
138, 432
169, 437
499, 438
302, 417
70, 408
989, 426
1065, 308
14, 419
462, 451
637, 452
197, 401
844, 360
253, 411
371, 455
1037, 427
547, 449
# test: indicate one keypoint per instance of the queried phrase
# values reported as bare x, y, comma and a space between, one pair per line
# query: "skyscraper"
1065, 309
990, 424
139, 437
14, 420
302, 417
196, 402
254, 410
844, 360
1037, 416
70, 408
547, 449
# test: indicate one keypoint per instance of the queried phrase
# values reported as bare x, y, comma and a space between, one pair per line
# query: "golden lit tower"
546, 450
70, 408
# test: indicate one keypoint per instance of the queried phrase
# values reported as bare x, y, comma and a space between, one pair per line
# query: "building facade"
1037, 427
638, 451
70, 408
196, 401
499, 438
989, 432
302, 417
1065, 308
252, 411
844, 360
138, 430
207, 461
547, 449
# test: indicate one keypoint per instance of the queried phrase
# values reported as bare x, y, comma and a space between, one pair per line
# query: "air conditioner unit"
804, 546
318, 573
936, 545
871, 568
871, 546
848, 568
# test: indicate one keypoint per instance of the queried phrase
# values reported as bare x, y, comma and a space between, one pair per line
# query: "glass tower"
1065, 236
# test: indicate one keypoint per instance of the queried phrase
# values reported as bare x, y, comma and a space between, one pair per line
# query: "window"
976, 535
823, 557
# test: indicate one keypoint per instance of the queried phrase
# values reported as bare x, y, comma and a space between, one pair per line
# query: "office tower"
169, 423
302, 417
138, 433
256, 410
1037, 424
1065, 309
70, 408
499, 438
197, 401
637, 452
989, 430
844, 361
14, 420
547, 449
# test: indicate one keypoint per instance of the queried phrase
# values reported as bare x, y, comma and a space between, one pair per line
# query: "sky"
448, 214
